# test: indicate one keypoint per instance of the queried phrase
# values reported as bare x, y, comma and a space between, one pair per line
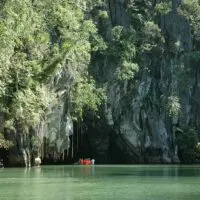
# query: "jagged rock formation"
136, 127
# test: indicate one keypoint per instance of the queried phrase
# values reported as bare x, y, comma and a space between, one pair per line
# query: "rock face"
55, 130
135, 127
50, 140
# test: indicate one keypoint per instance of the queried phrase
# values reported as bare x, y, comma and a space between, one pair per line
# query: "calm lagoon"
99, 182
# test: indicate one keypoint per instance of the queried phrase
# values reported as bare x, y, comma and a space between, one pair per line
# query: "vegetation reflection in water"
101, 182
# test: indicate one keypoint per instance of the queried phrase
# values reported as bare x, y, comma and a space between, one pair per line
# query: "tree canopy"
39, 40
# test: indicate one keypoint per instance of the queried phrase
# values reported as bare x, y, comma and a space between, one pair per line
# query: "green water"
101, 182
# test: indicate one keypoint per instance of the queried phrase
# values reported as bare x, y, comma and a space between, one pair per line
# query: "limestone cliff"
136, 124
137, 128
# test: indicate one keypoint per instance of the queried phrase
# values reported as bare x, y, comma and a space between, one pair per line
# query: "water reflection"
101, 182
88, 170
96, 171
59, 171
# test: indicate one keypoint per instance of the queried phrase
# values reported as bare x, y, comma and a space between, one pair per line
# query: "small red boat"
85, 162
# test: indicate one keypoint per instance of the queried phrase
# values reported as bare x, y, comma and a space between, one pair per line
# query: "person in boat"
93, 161
86, 161
38, 161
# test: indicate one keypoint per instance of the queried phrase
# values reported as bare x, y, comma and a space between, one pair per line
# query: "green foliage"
187, 146
85, 95
152, 37
4, 143
39, 40
97, 43
129, 43
117, 33
29, 106
95, 3
191, 10
23, 48
173, 106
103, 14
127, 71
123, 49
163, 8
